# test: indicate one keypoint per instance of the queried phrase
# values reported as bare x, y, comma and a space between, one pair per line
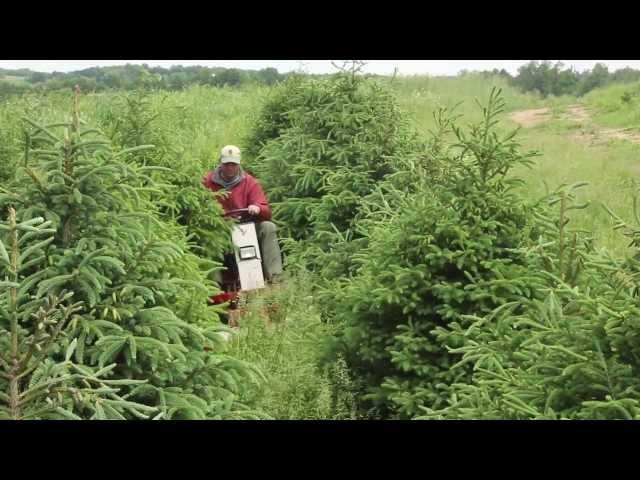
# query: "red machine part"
224, 297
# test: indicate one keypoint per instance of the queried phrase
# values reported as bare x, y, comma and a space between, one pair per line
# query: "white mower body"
248, 256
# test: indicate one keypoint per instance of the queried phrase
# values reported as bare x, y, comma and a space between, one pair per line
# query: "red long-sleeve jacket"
247, 192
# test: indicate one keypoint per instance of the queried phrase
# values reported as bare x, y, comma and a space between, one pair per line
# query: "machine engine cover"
248, 256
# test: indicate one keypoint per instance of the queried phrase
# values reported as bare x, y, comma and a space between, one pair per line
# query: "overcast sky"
405, 67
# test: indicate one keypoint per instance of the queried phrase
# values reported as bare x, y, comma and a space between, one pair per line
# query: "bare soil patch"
529, 118
591, 135
577, 113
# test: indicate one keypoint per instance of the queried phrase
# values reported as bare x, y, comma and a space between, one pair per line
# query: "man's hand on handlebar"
242, 213
253, 210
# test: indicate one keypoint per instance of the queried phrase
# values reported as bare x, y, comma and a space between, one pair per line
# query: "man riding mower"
257, 253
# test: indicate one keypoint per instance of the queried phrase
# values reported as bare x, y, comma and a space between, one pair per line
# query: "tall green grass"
616, 105
610, 169
421, 95
201, 119
289, 349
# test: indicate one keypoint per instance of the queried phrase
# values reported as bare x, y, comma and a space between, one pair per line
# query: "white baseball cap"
230, 154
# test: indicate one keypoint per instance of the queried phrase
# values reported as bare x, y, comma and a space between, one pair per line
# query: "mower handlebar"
236, 211
240, 215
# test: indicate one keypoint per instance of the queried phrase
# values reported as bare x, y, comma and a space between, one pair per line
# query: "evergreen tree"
38, 378
134, 120
434, 255
322, 146
569, 352
140, 298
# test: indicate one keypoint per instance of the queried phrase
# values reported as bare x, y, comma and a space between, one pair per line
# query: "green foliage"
570, 353
134, 120
290, 348
598, 76
550, 80
273, 119
555, 80
229, 77
437, 291
330, 149
446, 251
7, 155
133, 77
140, 296
322, 146
38, 378
11, 137
9, 88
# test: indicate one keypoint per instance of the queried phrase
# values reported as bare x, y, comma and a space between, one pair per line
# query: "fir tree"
39, 378
441, 251
568, 352
320, 147
141, 296
133, 120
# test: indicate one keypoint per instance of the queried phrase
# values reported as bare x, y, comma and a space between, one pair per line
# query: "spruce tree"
139, 297
139, 118
319, 147
570, 351
38, 378
440, 251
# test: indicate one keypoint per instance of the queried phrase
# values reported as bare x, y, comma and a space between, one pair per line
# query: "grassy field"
609, 169
577, 151
609, 166
616, 105
420, 96
202, 119
289, 348
198, 120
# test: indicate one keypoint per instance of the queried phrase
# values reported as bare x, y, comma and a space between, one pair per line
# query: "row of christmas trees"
103, 306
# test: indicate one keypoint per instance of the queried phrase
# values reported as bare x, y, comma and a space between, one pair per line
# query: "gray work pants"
270, 249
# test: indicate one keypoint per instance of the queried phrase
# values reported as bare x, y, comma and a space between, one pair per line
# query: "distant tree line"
554, 79
129, 77
544, 77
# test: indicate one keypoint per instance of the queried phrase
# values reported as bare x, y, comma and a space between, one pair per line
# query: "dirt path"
577, 113
590, 133
529, 118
